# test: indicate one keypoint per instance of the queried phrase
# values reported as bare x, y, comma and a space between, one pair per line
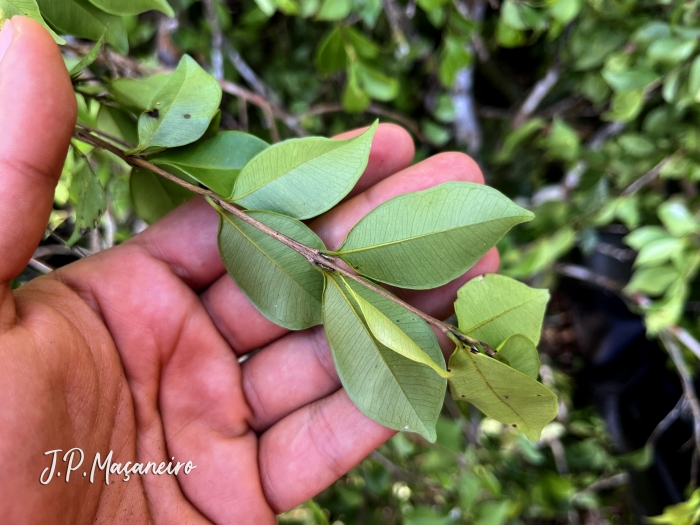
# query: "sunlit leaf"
133, 7
521, 354
334, 9
28, 8
181, 110
492, 308
428, 238
303, 178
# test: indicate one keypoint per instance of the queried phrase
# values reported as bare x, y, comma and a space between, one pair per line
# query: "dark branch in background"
217, 39
667, 421
466, 125
650, 175
398, 24
315, 257
540, 90
248, 74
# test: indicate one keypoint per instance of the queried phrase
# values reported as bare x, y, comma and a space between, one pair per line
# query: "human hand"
136, 350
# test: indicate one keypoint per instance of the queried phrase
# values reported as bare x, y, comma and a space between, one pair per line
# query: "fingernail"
6, 35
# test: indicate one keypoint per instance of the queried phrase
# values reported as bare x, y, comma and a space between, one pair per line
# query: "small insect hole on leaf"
187, 115
154, 113
514, 425
84, 231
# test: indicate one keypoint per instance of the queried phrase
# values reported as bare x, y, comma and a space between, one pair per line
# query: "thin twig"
537, 95
686, 380
666, 422
217, 39
315, 257
104, 135
247, 73
650, 175
401, 472
688, 340
396, 22
584, 274
55, 249
40, 266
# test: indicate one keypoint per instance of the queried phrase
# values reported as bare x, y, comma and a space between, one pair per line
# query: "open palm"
137, 350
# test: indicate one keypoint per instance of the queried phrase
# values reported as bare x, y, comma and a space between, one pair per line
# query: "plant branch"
537, 95
649, 176
316, 258
217, 39
687, 382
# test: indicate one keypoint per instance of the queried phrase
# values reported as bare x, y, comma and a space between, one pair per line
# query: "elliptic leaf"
89, 199
82, 19
137, 94
390, 389
133, 7
501, 392
277, 280
491, 308
392, 336
376, 84
303, 178
428, 238
28, 8
153, 197
354, 99
521, 354
216, 162
182, 109
331, 56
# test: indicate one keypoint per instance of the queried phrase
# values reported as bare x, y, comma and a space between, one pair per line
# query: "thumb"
37, 116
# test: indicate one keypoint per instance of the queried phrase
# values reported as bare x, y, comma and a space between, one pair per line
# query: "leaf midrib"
270, 258
289, 170
504, 312
415, 237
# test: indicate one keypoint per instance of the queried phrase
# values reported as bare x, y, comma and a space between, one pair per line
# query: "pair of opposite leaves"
419, 240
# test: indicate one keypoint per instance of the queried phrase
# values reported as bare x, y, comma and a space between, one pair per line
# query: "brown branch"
315, 257
540, 90
666, 422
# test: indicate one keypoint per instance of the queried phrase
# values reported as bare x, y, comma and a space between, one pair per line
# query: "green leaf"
181, 110
428, 238
88, 59
390, 335
521, 354
501, 392
376, 84
455, 56
331, 56
645, 235
334, 10
694, 79
677, 219
303, 178
653, 281
137, 94
363, 46
267, 6
82, 19
390, 389
626, 105
492, 308
355, 100
133, 7
117, 123
281, 283
659, 251
216, 162
563, 141
89, 199
671, 51
28, 8
630, 79
154, 197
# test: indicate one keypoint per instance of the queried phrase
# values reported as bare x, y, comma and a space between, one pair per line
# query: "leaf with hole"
426, 239
501, 392
181, 110
82, 19
133, 7
153, 197
280, 282
216, 162
390, 389
28, 8
492, 308
521, 354
303, 178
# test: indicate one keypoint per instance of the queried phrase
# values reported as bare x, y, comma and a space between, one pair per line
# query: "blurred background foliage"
584, 111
